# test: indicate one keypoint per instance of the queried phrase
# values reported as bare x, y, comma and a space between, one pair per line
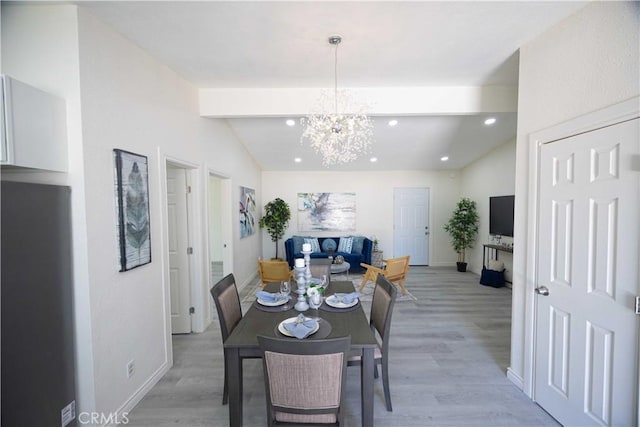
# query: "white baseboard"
442, 264
515, 379
249, 281
141, 392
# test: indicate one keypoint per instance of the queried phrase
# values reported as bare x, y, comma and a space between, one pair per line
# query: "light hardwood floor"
448, 358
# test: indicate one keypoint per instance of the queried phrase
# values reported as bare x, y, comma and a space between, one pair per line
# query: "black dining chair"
304, 379
384, 297
225, 296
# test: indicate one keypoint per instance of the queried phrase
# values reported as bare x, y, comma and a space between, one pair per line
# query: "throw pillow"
495, 265
329, 245
345, 244
297, 244
358, 244
315, 246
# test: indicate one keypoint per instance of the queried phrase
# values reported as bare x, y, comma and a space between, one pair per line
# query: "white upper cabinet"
33, 127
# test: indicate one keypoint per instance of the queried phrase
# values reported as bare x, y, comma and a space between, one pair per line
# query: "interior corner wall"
584, 63
374, 204
491, 175
118, 97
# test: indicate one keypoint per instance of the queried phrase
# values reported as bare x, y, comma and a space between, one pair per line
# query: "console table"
491, 252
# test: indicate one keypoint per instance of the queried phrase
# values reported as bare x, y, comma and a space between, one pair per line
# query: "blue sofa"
360, 252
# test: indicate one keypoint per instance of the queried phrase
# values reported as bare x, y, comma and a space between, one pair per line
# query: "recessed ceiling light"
373, 159
490, 121
444, 158
290, 122
297, 160
393, 122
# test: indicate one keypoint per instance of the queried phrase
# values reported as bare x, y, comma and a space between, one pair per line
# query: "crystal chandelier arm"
339, 137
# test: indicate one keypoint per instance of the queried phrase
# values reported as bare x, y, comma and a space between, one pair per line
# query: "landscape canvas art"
247, 211
132, 209
326, 212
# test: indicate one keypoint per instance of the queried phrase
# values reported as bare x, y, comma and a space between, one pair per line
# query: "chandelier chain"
335, 75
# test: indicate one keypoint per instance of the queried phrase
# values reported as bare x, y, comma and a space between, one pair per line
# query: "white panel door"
586, 328
411, 224
179, 276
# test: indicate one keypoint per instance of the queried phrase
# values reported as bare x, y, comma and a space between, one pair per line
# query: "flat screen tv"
501, 215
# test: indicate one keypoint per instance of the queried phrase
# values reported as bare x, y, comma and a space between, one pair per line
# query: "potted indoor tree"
276, 219
463, 228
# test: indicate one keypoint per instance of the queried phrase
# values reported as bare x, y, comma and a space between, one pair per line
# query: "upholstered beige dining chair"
319, 368
395, 271
273, 271
225, 296
384, 296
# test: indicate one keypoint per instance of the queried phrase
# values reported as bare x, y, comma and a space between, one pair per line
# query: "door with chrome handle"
542, 290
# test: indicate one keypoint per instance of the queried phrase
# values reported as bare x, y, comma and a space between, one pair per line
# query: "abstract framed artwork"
132, 209
326, 211
247, 212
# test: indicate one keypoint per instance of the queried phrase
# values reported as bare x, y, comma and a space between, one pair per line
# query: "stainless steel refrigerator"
38, 380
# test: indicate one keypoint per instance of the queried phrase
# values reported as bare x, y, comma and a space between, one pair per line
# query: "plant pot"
462, 266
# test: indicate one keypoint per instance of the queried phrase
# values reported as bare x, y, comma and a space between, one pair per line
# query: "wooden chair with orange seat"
274, 271
395, 271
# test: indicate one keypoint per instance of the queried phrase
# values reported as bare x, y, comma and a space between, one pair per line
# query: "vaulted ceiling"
439, 68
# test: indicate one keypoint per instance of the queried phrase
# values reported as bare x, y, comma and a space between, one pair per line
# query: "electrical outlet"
131, 367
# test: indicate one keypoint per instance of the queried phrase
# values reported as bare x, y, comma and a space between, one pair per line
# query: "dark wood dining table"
243, 342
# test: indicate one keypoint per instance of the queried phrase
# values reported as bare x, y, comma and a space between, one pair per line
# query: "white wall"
131, 101
374, 204
586, 62
120, 97
491, 175
215, 219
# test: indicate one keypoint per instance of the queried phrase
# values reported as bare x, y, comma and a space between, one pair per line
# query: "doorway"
179, 248
220, 228
411, 224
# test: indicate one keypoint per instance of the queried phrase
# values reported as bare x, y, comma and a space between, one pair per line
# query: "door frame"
194, 207
607, 116
226, 198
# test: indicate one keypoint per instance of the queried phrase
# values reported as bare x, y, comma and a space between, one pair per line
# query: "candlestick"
307, 271
301, 305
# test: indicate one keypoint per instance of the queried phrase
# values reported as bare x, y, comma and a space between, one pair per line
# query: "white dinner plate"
272, 304
333, 302
284, 330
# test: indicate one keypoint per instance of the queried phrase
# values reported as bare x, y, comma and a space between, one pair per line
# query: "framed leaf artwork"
132, 209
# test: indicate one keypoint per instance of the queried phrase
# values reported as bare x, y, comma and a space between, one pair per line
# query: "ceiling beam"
400, 101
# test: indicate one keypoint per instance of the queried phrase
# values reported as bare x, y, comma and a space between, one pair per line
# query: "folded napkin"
269, 297
348, 298
301, 327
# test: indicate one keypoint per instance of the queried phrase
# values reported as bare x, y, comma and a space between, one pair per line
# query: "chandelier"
338, 128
